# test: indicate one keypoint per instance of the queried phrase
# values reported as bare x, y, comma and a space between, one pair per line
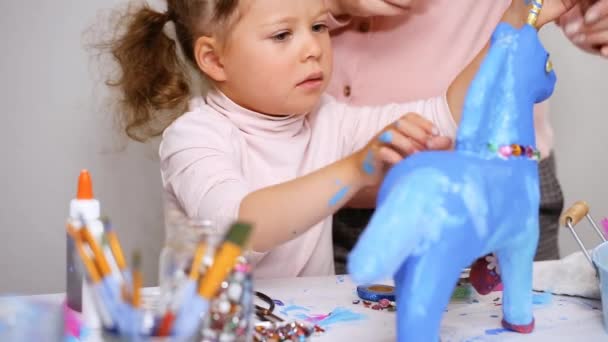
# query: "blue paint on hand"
386, 137
368, 163
339, 196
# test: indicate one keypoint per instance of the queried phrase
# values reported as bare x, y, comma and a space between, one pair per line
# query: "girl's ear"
207, 55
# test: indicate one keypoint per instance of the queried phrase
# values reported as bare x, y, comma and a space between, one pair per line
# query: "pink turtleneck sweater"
218, 152
415, 56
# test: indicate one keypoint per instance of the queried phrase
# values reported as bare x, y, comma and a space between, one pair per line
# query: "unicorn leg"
424, 285
515, 262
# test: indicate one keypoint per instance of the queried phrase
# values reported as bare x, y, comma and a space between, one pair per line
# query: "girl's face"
277, 57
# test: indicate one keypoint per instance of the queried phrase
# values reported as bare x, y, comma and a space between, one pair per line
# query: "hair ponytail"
152, 79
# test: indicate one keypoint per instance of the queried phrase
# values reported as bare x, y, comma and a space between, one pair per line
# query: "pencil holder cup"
182, 235
600, 259
231, 310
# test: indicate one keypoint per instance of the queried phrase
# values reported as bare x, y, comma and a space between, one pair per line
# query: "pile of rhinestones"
382, 304
282, 331
230, 313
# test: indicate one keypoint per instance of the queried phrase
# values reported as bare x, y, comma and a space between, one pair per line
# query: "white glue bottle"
79, 295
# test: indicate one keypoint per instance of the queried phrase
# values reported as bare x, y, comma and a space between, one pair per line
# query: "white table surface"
563, 319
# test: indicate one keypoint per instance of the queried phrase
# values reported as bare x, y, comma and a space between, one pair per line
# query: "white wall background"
579, 114
55, 123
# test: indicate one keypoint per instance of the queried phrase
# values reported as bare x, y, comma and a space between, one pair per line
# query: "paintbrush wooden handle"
574, 214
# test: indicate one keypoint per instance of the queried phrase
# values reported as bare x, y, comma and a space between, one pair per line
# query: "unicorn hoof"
522, 329
483, 279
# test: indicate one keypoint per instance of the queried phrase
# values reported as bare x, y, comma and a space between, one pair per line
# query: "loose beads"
515, 150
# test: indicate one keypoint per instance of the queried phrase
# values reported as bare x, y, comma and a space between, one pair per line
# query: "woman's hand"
587, 28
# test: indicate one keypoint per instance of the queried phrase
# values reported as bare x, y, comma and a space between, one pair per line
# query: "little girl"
265, 145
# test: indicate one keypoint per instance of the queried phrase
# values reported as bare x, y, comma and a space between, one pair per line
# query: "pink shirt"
394, 59
218, 152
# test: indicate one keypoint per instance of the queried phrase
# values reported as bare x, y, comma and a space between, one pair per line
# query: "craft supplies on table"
558, 318
475, 318
206, 285
217, 296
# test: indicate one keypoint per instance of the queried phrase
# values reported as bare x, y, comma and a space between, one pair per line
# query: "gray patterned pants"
349, 223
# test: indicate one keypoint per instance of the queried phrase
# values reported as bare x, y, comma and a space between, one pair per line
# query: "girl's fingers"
389, 156
419, 121
395, 140
414, 131
440, 143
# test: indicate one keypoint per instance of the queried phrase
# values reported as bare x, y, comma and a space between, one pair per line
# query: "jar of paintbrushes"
191, 249
206, 286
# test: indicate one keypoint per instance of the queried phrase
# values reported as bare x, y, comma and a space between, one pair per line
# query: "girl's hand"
588, 28
368, 8
410, 134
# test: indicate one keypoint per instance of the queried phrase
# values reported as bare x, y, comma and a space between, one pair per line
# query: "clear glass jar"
182, 236
231, 311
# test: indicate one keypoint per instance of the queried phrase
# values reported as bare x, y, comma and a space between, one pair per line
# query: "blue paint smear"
341, 315
368, 164
339, 279
71, 339
290, 308
339, 196
84, 333
278, 302
386, 137
542, 298
496, 331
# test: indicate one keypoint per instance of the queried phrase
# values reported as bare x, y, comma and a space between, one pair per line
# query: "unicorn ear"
550, 79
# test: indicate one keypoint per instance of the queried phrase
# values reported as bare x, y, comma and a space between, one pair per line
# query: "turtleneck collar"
255, 123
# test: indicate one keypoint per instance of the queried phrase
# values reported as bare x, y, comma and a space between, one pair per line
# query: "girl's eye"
281, 36
321, 27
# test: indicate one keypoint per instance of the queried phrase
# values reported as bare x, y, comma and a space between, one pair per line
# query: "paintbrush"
187, 291
193, 310
112, 240
137, 280
95, 278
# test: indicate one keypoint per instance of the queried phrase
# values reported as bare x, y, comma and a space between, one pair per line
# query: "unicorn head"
516, 74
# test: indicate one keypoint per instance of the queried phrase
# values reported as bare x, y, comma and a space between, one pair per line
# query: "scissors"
266, 314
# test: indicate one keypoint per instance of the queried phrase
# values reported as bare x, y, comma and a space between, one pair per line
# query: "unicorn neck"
499, 105
513, 122
509, 120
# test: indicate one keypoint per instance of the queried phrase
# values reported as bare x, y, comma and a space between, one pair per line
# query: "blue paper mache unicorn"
438, 211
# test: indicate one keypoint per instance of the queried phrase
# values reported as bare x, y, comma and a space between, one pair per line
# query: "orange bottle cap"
85, 186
